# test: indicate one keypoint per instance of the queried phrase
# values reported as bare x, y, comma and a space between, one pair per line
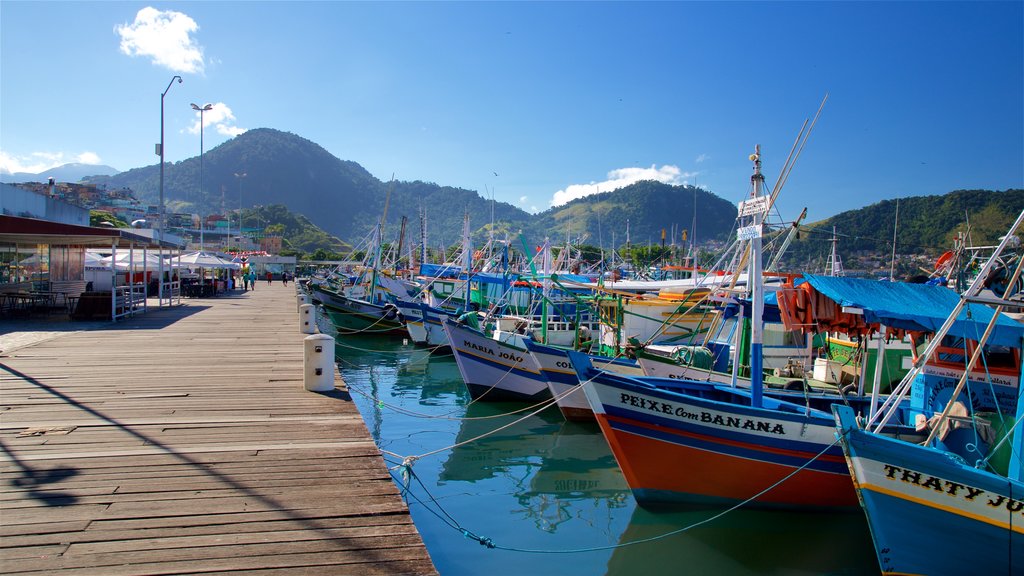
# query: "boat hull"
677, 448
493, 370
565, 385
351, 316
929, 514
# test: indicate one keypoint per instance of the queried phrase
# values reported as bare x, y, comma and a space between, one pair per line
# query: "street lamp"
160, 292
206, 108
240, 176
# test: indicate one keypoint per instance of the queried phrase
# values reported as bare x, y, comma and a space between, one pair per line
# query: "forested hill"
262, 167
927, 225
649, 207
265, 166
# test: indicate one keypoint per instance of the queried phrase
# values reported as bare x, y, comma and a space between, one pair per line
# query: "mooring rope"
407, 474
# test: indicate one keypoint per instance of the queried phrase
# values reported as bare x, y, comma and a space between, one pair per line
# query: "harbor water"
548, 495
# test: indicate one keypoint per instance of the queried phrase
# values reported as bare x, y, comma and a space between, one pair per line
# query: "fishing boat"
676, 318
557, 369
366, 306
786, 354
682, 441
491, 350
492, 366
953, 504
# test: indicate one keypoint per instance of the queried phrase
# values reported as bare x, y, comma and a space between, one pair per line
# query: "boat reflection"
555, 470
431, 378
746, 542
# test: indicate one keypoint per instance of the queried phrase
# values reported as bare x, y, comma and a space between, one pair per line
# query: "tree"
98, 216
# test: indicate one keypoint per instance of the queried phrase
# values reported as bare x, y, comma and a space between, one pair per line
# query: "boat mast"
423, 234
380, 241
895, 227
835, 265
401, 241
754, 276
467, 255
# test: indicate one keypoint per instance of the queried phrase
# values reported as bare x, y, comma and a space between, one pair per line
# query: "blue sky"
536, 102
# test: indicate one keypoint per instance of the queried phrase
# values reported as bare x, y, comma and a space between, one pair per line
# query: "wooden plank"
181, 441
398, 523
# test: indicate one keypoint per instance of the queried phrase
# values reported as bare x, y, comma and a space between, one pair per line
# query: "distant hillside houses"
119, 202
218, 230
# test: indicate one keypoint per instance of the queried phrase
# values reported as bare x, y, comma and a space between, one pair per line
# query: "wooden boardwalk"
182, 441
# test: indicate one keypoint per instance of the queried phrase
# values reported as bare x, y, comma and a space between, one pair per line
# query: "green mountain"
346, 201
339, 196
649, 207
298, 233
927, 226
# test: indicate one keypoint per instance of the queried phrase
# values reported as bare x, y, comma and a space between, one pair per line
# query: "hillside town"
211, 231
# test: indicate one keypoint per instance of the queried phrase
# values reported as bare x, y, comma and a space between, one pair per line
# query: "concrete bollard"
300, 300
318, 365
307, 319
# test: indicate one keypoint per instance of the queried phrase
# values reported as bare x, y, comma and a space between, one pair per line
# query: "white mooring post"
307, 319
318, 365
302, 299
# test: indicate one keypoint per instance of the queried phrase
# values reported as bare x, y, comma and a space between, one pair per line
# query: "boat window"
777, 335
1000, 357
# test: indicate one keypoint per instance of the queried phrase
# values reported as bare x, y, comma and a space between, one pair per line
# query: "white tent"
206, 260
94, 261
150, 263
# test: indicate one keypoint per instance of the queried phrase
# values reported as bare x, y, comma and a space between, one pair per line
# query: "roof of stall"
18, 230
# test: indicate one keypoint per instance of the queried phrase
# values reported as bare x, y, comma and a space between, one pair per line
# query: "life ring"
946, 258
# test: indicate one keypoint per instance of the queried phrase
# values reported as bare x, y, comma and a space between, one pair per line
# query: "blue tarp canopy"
770, 309
492, 278
917, 307
440, 270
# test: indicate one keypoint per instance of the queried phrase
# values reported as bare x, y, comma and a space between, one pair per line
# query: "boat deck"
182, 441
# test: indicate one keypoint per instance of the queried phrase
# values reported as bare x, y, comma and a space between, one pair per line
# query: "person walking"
284, 278
270, 278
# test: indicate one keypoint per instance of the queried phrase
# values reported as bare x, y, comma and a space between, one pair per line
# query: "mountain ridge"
264, 166
71, 172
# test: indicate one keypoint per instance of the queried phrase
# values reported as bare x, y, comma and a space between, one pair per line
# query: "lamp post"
160, 290
206, 108
240, 176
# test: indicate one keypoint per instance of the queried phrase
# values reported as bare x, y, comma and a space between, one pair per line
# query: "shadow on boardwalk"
182, 440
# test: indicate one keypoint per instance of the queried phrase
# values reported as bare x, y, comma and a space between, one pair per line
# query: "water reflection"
554, 468
746, 542
540, 483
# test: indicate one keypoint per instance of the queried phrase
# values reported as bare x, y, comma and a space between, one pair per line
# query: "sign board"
749, 232
753, 206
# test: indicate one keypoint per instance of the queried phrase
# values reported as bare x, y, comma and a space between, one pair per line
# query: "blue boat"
955, 503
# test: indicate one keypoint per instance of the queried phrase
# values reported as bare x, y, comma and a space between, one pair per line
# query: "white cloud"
37, 162
165, 37
621, 178
88, 158
523, 199
220, 117
701, 158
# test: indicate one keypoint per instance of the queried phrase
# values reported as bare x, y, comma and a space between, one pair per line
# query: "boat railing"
878, 419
